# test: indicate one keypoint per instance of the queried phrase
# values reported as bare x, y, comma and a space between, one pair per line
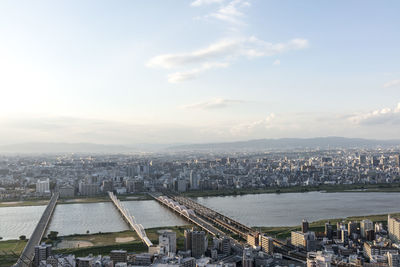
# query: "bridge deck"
29, 251
138, 228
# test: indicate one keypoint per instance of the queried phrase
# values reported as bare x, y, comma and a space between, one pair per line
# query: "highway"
28, 253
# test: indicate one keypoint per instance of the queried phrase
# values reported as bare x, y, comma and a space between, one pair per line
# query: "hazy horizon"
199, 71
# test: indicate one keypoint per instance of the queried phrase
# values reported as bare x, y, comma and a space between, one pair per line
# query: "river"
252, 210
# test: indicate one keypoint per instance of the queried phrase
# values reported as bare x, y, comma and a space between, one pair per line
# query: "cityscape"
199, 133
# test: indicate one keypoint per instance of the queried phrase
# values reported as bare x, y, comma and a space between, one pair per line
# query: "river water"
252, 210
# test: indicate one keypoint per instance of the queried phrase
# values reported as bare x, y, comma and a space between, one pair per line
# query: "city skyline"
198, 71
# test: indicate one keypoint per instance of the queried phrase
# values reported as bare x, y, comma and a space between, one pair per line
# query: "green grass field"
103, 243
8, 251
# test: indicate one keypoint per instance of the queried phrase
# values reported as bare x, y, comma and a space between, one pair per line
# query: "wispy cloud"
254, 126
215, 103
217, 50
206, 2
221, 54
231, 12
193, 73
392, 83
379, 116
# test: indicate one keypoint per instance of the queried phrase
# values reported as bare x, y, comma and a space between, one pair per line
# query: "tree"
52, 235
22, 237
87, 232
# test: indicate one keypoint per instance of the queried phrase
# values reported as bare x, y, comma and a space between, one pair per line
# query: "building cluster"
353, 244
77, 175
197, 250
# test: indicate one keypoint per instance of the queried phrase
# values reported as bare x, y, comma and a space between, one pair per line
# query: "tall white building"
366, 225
394, 228
43, 186
167, 240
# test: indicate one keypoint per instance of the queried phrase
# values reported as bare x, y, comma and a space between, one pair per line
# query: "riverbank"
384, 188
94, 243
40, 202
103, 243
282, 232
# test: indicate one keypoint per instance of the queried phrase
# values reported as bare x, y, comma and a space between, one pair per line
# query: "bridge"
28, 253
188, 214
214, 218
130, 220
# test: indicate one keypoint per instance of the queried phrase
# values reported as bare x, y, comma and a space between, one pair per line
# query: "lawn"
8, 251
103, 243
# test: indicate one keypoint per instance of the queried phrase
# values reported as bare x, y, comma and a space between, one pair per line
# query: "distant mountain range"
282, 144
50, 148
289, 144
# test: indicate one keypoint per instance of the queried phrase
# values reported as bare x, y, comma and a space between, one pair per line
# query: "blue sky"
198, 71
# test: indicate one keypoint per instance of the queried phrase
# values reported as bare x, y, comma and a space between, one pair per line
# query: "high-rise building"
365, 225
363, 159
267, 244
67, 191
305, 241
394, 228
253, 239
88, 189
196, 242
370, 235
225, 246
43, 186
194, 180
352, 228
304, 226
397, 160
345, 236
167, 239
42, 252
329, 230
188, 239
375, 161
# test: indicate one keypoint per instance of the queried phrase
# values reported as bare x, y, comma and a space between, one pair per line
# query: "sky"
198, 71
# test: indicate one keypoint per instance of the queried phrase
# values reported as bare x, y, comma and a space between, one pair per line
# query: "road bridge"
130, 220
28, 253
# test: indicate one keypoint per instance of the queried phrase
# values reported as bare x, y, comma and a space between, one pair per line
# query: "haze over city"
198, 71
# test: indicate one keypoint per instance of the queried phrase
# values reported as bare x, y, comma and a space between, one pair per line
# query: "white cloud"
380, 116
231, 12
214, 51
206, 2
181, 76
277, 62
215, 103
220, 54
392, 83
255, 126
